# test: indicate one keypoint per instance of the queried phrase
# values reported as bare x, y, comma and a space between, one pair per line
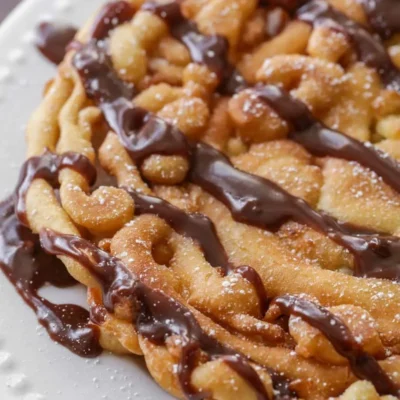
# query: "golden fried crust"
352, 193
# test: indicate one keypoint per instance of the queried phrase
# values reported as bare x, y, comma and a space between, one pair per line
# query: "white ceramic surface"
32, 367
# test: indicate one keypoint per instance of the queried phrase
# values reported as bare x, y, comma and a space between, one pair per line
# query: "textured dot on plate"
5, 360
16, 56
17, 382
29, 37
34, 396
23, 82
5, 74
46, 18
63, 5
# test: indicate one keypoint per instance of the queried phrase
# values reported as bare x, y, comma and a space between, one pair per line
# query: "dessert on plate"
224, 178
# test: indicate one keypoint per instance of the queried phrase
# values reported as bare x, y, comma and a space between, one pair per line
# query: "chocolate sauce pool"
29, 268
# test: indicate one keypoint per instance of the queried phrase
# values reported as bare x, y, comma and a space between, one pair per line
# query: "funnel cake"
243, 230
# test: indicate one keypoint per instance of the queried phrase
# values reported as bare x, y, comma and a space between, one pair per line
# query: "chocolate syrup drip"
251, 199
157, 315
201, 229
52, 40
370, 50
48, 167
210, 50
29, 268
363, 365
110, 16
383, 16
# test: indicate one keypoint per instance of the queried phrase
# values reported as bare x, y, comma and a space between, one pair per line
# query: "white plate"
32, 367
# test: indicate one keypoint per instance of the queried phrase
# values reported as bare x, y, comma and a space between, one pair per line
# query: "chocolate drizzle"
252, 276
48, 167
52, 40
201, 229
195, 226
363, 365
158, 316
322, 141
140, 132
262, 203
29, 268
370, 50
110, 16
210, 50
383, 16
